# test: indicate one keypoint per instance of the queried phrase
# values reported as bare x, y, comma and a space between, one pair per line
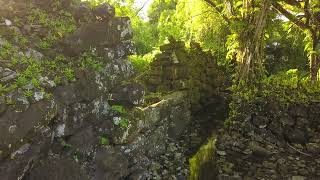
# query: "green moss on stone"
199, 162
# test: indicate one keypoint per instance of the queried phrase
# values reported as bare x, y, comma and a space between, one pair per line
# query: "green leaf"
104, 141
119, 109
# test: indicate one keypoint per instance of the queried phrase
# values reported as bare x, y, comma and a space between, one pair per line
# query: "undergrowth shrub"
141, 63
287, 87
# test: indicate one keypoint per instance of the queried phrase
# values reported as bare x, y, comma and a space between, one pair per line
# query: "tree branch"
205, 12
219, 10
307, 12
144, 4
293, 3
290, 16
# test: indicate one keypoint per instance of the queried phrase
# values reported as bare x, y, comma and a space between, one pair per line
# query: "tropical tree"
247, 20
305, 14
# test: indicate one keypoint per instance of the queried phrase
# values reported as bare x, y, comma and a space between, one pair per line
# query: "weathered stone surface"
83, 13
111, 164
176, 68
104, 11
66, 94
77, 114
179, 119
151, 134
258, 151
98, 34
227, 177
3, 105
151, 143
15, 126
128, 94
20, 162
7, 75
274, 142
85, 89
296, 136
86, 86
84, 141
64, 129
298, 178
313, 148
90, 35
7, 12
57, 169
31, 53
139, 175
172, 112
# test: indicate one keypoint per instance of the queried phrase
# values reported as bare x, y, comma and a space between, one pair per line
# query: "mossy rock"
184, 69
167, 48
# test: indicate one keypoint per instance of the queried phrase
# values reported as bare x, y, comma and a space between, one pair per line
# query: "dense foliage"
226, 27
257, 41
264, 38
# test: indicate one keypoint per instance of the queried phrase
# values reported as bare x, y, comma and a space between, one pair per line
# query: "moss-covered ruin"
178, 68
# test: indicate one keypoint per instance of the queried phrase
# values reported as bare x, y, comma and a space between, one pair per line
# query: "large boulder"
128, 94
111, 164
20, 162
169, 117
16, 127
98, 34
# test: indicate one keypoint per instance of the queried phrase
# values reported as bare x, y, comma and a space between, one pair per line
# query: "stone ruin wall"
178, 68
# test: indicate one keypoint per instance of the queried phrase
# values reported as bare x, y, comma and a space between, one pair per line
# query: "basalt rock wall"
190, 69
269, 140
65, 112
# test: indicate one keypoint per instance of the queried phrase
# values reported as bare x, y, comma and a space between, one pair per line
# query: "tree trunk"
314, 61
250, 55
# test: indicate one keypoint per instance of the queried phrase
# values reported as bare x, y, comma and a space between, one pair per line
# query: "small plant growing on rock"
48, 96
69, 74
120, 121
28, 93
64, 143
90, 59
153, 98
104, 141
35, 82
2, 89
44, 45
9, 101
118, 109
7, 88
57, 80
22, 80
124, 123
76, 157
55, 25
